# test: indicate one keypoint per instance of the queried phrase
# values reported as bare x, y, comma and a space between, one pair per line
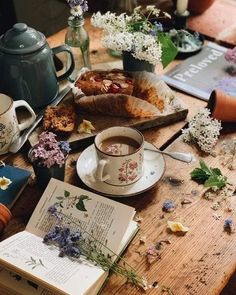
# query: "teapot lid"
21, 39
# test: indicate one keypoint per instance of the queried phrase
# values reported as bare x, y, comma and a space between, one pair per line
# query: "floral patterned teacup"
9, 127
120, 152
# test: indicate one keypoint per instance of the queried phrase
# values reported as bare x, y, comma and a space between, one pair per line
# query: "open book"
27, 256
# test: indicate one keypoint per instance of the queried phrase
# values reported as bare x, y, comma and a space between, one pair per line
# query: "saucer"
154, 167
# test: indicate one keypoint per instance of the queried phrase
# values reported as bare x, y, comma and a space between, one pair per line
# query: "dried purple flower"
49, 151
168, 206
228, 225
65, 147
65, 240
230, 55
78, 7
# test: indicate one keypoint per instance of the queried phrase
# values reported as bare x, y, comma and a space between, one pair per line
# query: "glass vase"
77, 39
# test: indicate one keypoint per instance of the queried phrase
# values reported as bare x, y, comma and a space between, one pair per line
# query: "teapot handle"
72, 66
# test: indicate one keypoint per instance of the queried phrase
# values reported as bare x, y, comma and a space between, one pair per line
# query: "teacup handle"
100, 168
30, 121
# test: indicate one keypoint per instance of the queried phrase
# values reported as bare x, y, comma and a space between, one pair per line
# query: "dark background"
50, 16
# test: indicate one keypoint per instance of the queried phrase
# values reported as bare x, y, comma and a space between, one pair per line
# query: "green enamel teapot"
27, 68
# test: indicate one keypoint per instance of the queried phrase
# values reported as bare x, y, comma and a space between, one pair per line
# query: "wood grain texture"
199, 262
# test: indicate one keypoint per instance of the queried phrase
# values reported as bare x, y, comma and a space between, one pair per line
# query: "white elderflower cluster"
203, 130
110, 22
120, 41
147, 48
136, 34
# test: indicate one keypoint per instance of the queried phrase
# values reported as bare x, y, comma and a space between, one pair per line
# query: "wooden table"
200, 262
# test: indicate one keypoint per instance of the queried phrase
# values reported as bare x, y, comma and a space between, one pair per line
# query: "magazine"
200, 74
26, 255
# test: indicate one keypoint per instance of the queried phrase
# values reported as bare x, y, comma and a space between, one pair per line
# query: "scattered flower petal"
228, 225
86, 127
177, 226
138, 218
4, 183
168, 206
143, 239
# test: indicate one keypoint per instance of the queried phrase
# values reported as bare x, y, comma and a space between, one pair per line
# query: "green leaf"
216, 171
210, 177
169, 50
84, 197
80, 205
215, 181
66, 194
205, 168
199, 175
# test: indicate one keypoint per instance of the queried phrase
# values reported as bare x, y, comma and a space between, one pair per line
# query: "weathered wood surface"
202, 260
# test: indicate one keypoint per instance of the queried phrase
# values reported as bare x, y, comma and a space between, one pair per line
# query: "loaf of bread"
59, 119
103, 82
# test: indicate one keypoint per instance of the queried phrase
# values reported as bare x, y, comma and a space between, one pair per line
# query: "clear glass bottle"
77, 39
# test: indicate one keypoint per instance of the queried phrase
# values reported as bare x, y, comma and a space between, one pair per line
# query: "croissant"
119, 105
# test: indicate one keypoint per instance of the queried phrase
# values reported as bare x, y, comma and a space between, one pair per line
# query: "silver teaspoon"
184, 157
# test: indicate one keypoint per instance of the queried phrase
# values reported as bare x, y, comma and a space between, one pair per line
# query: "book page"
14, 284
107, 220
104, 218
25, 253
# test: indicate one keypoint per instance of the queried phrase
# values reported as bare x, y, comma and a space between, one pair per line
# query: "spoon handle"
183, 157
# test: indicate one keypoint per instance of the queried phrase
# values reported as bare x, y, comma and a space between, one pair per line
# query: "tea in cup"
120, 153
9, 127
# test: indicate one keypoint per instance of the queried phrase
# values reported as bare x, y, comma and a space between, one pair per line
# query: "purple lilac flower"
65, 147
82, 3
65, 240
156, 28
49, 152
168, 206
230, 55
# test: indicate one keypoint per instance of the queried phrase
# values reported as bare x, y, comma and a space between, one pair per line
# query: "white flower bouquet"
138, 34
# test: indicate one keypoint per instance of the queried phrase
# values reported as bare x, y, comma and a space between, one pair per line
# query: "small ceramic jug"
27, 67
9, 126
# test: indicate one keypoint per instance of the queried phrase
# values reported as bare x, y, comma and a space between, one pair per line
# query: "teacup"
120, 153
9, 127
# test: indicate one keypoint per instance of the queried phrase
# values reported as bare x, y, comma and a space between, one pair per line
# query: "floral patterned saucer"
154, 167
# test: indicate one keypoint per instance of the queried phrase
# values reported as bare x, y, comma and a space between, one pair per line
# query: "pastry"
59, 119
102, 82
119, 105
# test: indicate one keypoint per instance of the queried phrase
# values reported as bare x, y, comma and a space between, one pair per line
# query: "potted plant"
48, 158
139, 36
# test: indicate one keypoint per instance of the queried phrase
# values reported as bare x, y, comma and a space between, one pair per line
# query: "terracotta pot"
199, 6
5, 216
222, 106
